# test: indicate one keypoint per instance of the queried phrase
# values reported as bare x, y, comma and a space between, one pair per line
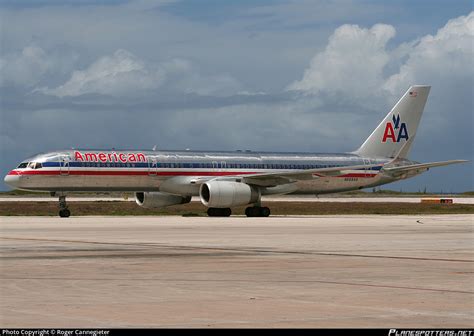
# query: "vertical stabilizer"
394, 136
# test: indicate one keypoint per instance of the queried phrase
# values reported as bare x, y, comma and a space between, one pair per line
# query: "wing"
285, 177
279, 178
418, 168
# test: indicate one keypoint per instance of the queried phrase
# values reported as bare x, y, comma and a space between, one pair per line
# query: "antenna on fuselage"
154, 148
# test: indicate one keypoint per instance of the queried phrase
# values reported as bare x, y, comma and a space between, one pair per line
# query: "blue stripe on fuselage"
190, 165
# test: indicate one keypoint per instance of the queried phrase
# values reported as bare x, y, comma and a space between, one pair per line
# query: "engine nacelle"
224, 194
159, 200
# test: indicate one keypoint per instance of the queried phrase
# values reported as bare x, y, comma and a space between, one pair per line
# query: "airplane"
224, 179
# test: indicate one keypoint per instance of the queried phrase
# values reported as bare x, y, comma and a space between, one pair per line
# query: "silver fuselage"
124, 170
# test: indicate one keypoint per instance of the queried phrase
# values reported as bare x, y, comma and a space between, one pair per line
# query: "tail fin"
394, 136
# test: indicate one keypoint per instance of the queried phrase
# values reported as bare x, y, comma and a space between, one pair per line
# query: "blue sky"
262, 75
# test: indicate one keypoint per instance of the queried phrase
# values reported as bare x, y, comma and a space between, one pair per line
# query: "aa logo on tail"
395, 130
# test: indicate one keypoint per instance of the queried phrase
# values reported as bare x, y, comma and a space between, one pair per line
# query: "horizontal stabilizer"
420, 166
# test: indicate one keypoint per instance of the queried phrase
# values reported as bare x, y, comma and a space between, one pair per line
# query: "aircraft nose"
12, 179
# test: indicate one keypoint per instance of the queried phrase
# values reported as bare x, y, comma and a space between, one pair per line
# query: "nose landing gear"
63, 210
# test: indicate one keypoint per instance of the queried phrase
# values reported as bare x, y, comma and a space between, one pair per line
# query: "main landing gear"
63, 210
219, 212
257, 211
254, 211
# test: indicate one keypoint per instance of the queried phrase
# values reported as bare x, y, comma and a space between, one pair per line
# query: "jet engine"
159, 200
226, 194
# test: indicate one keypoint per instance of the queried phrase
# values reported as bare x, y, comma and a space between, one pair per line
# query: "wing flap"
278, 178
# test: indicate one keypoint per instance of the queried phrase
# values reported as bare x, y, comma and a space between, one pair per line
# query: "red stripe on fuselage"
356, 175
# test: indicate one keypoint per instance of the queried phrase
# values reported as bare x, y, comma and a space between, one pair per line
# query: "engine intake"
223, 194
159, 200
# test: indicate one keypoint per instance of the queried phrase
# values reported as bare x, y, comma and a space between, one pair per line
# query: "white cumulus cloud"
119, 74
124, 74
353, 61
446, 58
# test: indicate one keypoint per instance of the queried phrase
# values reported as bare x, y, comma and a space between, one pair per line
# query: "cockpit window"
23, 165
35, 165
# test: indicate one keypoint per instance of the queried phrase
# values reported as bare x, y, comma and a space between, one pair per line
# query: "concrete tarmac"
328, 271
285, 198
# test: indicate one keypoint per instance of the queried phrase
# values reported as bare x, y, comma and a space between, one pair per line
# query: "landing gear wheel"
265, 212
257, 211
219, 212
64, 213
63, 210
248, 211
252, 211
